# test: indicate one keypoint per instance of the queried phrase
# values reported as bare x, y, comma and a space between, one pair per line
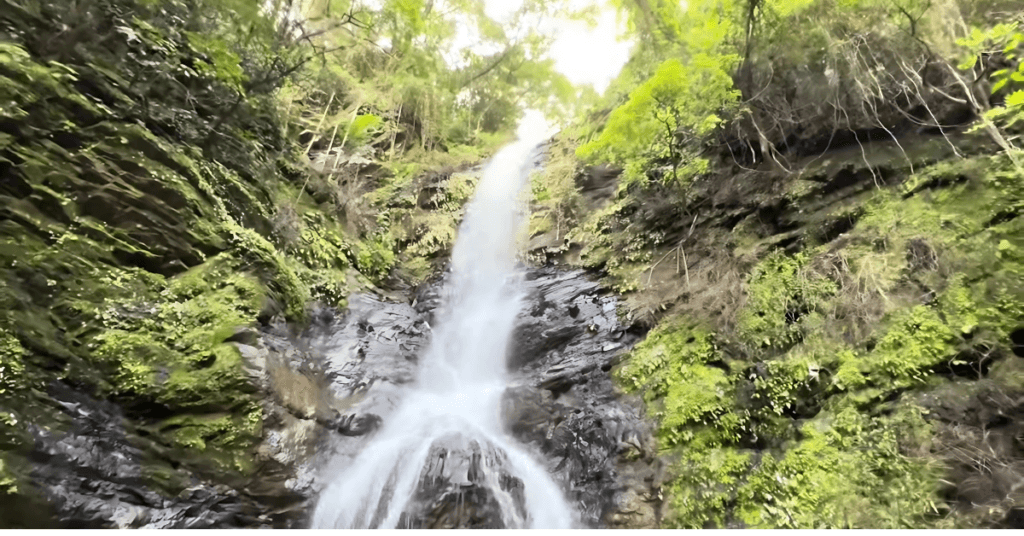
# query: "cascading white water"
462, 376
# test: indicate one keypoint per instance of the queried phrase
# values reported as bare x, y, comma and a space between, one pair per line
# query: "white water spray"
463, 373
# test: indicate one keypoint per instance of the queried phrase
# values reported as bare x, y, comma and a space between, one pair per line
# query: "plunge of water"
457, 398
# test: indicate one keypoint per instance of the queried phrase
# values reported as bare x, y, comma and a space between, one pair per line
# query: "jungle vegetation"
815, 217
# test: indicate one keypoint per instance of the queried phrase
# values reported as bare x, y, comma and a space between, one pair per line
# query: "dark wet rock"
466, 484
245, 336
90, 475
563, 402
354, 425
323, 390
531, 414
533, 341
328, 389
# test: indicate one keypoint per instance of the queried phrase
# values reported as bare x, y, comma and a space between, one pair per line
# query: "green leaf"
1015, 99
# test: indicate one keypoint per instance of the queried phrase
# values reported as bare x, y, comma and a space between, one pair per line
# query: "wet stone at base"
463, 486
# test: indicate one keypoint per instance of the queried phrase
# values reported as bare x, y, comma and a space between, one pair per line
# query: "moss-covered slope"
150, 209
838, 347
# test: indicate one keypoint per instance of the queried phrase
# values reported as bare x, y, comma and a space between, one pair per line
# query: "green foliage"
319, 246
28, 83
674, 369
849, 471
782, 292
217, 61
396, 60
375, 258
698, 395
363, 127
554, 189
797, 378
654, 360
704, 487
680, 103
8, 485
1007, 40
439, 236
915, 341
11, 366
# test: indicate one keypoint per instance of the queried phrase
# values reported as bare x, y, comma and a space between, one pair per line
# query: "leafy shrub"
704, 487
11, 366
362, 128
850, 471
781, 293
916, 341
374, 258
679, 103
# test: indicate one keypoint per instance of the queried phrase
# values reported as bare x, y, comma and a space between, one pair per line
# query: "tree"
666, 115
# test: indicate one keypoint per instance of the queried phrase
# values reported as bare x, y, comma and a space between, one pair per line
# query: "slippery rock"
328, 389
89, 475
466, 483
530, 413
562, 400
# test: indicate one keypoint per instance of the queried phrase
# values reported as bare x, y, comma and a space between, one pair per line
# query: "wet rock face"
324, 390
341, 378
89, 475
563, 402
464, 485
327, 390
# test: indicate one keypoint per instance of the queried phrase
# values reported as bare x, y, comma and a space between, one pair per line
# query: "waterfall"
456, 400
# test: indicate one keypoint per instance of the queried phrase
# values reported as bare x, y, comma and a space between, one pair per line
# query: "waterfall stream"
449, 427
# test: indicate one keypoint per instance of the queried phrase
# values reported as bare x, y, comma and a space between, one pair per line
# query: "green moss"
8, 484
916, 341
172, 348
849, 471
540, 224
781, 293
704, 487
12, 367
282, 281
225, 438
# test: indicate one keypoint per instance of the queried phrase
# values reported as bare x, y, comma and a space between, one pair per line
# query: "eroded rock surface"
325, 393
563, 403
466, 484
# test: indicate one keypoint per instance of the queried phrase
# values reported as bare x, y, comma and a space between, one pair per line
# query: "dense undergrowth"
175, 173
823, 233
829, 256
834, 380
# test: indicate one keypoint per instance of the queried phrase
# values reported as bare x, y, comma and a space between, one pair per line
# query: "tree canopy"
781, 73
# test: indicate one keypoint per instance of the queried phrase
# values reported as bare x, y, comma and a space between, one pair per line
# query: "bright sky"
584, 55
